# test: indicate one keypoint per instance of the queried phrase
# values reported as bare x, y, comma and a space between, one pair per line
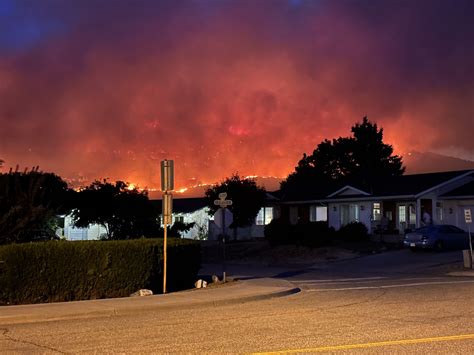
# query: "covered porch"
394, 217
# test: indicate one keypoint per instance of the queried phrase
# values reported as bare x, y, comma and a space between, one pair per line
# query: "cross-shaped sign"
222, 202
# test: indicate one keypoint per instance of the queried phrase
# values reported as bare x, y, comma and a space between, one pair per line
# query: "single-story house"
70, 232
396, 204
189, 210
256, 230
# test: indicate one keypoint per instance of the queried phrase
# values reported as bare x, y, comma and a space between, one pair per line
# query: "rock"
142, 292
200, 283
215, 279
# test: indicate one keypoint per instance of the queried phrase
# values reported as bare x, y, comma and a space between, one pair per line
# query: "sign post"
223, 204
468, 220
167, 185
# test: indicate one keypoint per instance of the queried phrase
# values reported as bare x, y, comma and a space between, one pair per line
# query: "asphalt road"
377, 305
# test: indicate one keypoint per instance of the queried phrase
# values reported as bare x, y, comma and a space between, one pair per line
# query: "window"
264, 216
377, 211
179, 219
439, 211
402, 214
318, 214
412, 214
349, 213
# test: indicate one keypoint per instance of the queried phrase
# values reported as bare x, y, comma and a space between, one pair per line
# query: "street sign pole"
165, 255
167, 185
468, 220
470, 244
223, 204
223, 245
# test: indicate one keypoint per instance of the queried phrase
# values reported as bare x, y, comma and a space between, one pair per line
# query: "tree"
29, 205
124, 212
363, 158
247, 199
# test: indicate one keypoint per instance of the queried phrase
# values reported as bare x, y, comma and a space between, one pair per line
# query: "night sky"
95, 89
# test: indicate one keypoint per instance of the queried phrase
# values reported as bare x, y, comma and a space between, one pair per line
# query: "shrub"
353, 232
314, 234
311, 234
279, 231
66, 271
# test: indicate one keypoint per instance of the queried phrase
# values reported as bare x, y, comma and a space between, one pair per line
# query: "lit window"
377, 211
318, 214
264, 216
402, 213
179, 219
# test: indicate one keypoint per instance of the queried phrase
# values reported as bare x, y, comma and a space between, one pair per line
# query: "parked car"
438, 237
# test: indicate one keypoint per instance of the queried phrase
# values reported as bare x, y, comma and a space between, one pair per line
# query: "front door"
402, 217
406, 216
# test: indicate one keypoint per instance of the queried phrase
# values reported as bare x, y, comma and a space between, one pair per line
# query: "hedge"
66, 271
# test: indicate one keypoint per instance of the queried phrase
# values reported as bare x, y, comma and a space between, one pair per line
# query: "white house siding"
453, 212
334, 220
366, 214
264, 217
93, 232
245, 233
201, 220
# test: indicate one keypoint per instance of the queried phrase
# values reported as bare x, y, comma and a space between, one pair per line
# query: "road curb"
111, 311
467, 273
261, 297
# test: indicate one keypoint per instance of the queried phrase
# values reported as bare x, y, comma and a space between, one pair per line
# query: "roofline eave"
368, 198
470, 172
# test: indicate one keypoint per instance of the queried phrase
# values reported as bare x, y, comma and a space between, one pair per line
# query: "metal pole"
223, 245
470, 242
164, 258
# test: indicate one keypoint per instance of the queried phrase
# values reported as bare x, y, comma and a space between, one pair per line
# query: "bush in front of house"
279, 232
353, 232
66, 271
314, 234
310, 234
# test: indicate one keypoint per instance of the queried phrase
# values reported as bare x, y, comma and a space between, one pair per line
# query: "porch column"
418, 213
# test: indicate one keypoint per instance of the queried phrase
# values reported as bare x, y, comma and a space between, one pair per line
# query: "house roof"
183, 205
405, 185
465, 191
415, 184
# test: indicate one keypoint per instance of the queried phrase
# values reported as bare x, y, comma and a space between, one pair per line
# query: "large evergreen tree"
362, 158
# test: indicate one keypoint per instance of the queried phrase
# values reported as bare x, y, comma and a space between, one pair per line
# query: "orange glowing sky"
93, 91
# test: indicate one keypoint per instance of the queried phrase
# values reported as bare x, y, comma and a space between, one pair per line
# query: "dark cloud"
111, 88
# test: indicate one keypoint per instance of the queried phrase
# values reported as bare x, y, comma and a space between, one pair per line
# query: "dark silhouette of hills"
428, 162
415, 162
